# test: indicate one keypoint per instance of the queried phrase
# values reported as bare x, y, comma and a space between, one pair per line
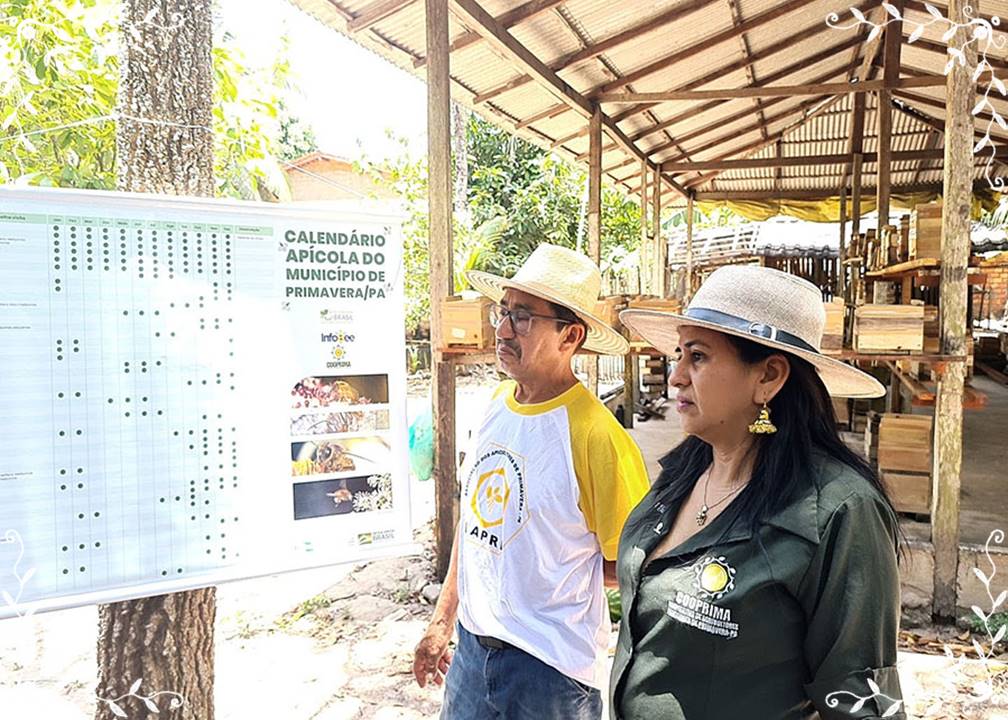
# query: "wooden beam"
838, 279
508, 19
688, 289
747, 55
644, 253
823, 194
594, 214
856, 195
661, 247
958, 172
441, 273
769, 91
935, 123
375, 13
706, 44
890, 80
796, 161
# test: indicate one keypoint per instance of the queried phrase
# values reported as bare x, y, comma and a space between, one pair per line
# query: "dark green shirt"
792, 621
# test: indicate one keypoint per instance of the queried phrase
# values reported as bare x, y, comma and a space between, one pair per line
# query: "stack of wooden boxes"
889, 328
925, 238
607, 309
833, 331
466, 322
904, 460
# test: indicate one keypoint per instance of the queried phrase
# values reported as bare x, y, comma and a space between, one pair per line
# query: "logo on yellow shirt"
495, 498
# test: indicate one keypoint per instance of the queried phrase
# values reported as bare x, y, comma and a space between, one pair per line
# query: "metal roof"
597, 46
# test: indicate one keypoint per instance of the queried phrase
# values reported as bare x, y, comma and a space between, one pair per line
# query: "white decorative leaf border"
12, 536
980, 34
981, 691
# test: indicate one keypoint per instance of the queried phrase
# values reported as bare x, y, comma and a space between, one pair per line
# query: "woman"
758, 576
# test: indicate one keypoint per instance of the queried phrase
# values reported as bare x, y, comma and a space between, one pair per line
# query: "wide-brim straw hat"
566, 278
765, 306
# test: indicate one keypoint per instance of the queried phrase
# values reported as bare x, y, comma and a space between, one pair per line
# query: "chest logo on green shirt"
713, 577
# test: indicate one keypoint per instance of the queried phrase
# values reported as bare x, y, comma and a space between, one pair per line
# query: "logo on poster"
338, 354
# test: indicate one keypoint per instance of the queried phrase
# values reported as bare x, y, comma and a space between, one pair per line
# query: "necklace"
701, 516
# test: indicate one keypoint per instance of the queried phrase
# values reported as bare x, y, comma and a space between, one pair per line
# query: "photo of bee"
328, 391
340, 422
326, 457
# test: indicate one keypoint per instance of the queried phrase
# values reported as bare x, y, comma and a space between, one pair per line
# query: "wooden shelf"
848, 354
923, 394
923, 269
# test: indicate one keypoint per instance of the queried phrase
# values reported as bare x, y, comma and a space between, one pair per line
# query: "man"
544, 496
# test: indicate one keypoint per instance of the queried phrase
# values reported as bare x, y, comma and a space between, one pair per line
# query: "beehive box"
932, 334
889, 328
904, 443
871, 437
832, 341
466, 322
909, 492
925, 231
607, 309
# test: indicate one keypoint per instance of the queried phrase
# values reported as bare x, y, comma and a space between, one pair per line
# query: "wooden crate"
909, 492
889, 328
904, 443
925, 231
832, 340
607, 309
932, 334
467, 322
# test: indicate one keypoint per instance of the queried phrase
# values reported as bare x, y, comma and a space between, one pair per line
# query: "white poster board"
194, 391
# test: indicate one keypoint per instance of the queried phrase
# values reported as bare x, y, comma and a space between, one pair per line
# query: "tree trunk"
460, 154
163, 145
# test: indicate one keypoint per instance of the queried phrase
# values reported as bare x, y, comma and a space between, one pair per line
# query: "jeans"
510, 684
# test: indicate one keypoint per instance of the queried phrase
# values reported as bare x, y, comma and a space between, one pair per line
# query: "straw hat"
563, 277
763, 305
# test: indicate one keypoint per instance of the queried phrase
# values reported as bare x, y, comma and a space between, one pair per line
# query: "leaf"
874, 686
980, 574
1000, 86
892, 709
948, 66
1004, 593
978, 72
857, 706
151, 705
116, 710
858, 14
979, 650
916, 34
948, 35
8, 598
891, 9
874, 33
934, 11
27, 576
151, 14
979, 613
135, 686
979, 106
999, 635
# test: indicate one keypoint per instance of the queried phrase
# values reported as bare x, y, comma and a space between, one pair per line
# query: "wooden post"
688, 290
645, 255
594, 215
890, 73
661, 247
439, 189
838, 279
958, 171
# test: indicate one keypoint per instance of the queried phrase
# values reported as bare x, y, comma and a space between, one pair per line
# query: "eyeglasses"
521, 319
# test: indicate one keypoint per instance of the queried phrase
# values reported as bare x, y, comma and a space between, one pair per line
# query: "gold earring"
762, 425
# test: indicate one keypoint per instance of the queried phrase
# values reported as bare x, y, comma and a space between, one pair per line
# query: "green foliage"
59, 66
717, 217
994, 623
297, 138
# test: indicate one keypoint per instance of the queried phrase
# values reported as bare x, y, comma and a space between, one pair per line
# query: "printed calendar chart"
193, 391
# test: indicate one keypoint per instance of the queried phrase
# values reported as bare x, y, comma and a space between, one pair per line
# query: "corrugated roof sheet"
701, 49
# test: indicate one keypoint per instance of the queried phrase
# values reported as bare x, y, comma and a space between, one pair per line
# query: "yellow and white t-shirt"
545, 493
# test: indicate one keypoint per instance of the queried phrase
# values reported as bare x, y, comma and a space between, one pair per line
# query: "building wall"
996, 270
333, 179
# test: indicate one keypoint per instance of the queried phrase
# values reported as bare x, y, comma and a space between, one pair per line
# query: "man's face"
547, 347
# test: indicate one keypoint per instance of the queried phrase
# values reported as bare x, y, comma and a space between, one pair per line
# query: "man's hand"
432, 656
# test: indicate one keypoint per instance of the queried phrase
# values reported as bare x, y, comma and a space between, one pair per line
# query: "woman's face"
719, 395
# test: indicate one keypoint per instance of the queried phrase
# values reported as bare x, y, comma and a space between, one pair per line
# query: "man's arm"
432, 657
609, 577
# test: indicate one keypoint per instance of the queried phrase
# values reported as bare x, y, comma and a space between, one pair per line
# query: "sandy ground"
336, 644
